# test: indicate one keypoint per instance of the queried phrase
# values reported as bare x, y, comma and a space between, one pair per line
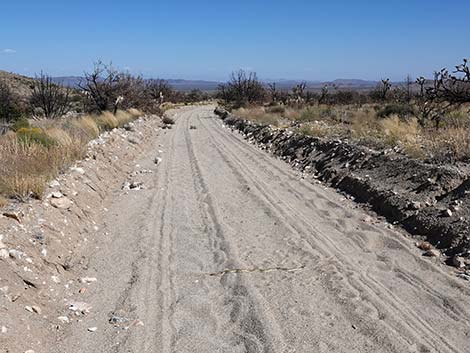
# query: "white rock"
88, 279
54, 184
80, 307
55, 279
61, 203
15, 254
64, 319
4, 329
4, 254
56, 194
78, 170
92, 329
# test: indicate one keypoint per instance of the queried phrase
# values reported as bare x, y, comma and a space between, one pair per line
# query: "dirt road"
228, 250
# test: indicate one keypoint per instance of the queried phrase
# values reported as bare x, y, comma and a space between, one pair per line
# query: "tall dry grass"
33, 156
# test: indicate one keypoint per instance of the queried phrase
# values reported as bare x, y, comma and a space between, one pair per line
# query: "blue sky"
313, 40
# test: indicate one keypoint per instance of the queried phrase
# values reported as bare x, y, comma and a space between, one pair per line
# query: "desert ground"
217, 246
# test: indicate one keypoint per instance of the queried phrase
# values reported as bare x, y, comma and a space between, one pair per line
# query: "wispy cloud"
8, 51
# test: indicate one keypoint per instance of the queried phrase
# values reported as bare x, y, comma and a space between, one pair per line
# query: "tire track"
407, 320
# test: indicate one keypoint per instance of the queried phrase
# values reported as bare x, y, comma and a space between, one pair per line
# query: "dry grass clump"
87, 126
34, 155
26, 167
315, 130
107, 121
3, 202
451, 142
259, 115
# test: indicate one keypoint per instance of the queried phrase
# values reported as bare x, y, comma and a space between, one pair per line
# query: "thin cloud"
8, 51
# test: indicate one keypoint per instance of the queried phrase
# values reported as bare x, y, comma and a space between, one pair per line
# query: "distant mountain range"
178, 84
188, 85
208, 86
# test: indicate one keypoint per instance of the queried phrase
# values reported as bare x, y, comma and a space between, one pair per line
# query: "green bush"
21, 122
34, 135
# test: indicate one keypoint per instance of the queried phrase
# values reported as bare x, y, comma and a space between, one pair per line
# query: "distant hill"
21, 86
208, 86
178, 84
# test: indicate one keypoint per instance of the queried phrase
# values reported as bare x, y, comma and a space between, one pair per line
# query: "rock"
448, 213
29, 351
117, 320
55, 279
12, 216
56, 194
432, 253
62, 203
33, 309
64, 319
464, 276
4, 329
78, 170
54, 184
15, 254
80, 307
157, 160
88, 279
4, 254
129, 127
458, 262
92, 329
2, 244
126, 186
192, 127
133, 140
415, 205
423, 245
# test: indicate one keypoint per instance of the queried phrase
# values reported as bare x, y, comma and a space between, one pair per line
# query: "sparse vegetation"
48, 99
430, 120
32, 156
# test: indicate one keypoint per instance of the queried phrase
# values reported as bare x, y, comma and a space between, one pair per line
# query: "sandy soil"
227, 249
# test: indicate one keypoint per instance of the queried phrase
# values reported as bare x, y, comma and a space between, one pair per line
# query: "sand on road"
227, 249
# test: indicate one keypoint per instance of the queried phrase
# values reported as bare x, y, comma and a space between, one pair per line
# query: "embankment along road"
227, 249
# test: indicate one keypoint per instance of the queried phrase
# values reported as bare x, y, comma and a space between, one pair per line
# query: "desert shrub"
9, 109
315, 130
242, 89
403, 111
167, 120
3, 202
26, 167
107, 121
108, 89
20, 123
397, 131
317, 113
86, 126
448, 144
276, 109
259, 115
34, 135
49, 99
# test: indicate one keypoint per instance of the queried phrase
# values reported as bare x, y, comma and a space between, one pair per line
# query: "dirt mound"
431, 202
45, 245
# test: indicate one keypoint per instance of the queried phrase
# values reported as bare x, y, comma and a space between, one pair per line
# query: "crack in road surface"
216, 202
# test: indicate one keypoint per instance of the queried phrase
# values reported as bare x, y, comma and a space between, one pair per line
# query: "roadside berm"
45, 245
